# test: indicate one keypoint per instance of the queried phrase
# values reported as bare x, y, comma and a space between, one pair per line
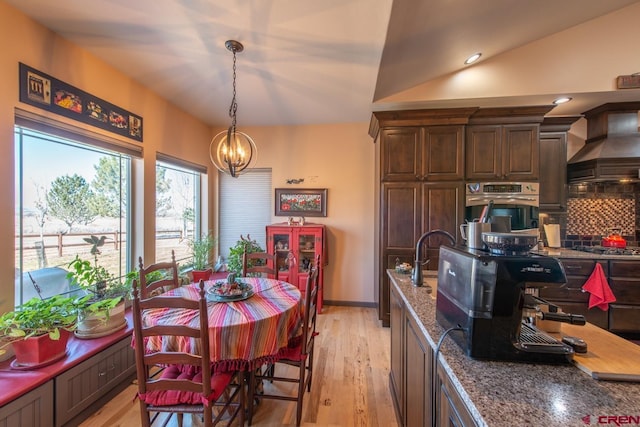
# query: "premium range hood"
612, 148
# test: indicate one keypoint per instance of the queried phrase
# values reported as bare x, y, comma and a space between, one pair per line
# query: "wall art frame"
48, 93
301, 201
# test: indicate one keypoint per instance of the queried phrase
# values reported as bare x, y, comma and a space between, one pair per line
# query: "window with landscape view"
177, 211
66, 191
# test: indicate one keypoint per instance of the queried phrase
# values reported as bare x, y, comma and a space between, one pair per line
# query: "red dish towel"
599, 289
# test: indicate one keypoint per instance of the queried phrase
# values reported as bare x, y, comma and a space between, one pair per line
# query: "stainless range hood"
612, 149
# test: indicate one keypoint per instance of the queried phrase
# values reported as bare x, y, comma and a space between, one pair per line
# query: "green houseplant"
234, 262
39, 329
103, 310
201, 248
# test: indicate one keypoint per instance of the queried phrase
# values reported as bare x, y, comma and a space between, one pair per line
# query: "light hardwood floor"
350, 384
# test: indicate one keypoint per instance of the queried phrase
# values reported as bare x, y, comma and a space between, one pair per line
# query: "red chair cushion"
294, 350
293, 353
219, 381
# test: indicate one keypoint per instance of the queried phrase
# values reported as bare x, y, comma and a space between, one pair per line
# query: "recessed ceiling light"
562, 100
473, 58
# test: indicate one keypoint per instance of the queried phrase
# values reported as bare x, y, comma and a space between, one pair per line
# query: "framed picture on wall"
302, 202
48, 93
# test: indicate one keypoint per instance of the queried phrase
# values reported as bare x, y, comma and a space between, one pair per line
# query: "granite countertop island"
518, 394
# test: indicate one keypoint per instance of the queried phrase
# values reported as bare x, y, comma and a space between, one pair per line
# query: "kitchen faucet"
416, 277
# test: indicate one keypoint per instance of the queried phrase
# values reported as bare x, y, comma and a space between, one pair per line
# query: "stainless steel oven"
519, 200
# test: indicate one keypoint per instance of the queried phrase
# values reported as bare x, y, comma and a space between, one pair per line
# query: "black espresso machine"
489, 297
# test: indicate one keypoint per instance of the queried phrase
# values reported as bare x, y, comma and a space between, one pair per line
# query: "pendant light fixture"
231, 151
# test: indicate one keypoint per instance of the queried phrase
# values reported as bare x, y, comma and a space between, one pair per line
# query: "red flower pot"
40, 350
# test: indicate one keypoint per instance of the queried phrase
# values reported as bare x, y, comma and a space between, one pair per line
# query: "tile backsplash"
594, 209
599, 216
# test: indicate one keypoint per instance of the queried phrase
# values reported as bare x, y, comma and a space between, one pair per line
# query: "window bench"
68, 391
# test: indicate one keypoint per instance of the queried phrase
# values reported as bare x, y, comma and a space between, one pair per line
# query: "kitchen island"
452, 389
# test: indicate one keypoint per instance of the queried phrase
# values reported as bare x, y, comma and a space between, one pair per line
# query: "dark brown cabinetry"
503, 144
401, 148
411, 373
624, 280
570, 297
424, 156
553, 163
396, 371
452, 412
400, 229
422, 189
502, 152
422, 397
553, 172
422, 153
419, 377
623, 316
443, 209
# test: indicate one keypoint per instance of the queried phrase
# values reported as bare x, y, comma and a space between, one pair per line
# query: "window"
245, 208
178, 207
66, 191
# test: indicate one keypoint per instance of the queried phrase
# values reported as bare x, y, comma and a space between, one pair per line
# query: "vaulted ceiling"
329, 61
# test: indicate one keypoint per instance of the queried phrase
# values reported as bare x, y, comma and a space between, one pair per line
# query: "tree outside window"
66, 191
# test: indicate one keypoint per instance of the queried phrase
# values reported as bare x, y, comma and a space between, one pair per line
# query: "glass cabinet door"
307, 251
282, 246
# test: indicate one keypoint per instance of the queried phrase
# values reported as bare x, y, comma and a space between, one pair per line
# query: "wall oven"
519, 200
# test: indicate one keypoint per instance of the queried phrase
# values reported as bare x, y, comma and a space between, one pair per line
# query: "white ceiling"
304, 61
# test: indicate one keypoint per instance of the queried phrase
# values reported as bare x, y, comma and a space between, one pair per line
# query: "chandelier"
233, 152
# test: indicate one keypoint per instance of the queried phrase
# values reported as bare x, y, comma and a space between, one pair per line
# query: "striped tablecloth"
243, 334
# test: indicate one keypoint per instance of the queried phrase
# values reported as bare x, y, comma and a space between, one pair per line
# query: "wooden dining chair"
159, 277
186, 384
257, 264
299, 356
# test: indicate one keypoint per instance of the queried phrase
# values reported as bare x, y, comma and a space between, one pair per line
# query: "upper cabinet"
553, 171
443, 153
433, 153
422, 173
401, 153
503, 144
505, 152
553, 163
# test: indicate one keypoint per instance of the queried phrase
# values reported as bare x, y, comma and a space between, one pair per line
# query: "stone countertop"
518, 394
571, 253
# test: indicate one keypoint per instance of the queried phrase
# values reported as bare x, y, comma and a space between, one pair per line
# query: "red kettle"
614, 240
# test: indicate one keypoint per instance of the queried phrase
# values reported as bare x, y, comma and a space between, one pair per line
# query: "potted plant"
103, 310
234, 262
201, 248
39, 330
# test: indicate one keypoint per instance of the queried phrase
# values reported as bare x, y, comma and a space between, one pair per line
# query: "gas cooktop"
605, 250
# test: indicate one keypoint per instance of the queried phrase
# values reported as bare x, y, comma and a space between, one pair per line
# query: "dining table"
245, 333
